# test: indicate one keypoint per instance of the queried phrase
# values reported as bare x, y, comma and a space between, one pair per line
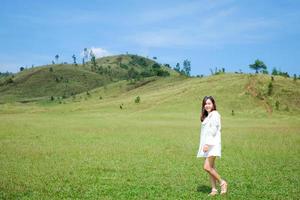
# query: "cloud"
175, 11
215, 27
98, 52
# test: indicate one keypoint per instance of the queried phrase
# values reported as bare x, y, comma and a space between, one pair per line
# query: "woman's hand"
205, 148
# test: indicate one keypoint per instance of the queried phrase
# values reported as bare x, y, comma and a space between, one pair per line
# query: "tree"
167, 65
74, 59
264, 71
177, 68
182, 71
257, 65
274, 71
56, 58
85, 55
21, 69
187, 67
219, 71
93, 60
279, 72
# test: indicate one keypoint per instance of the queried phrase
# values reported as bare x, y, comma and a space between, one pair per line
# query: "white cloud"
211, 27
98, 52
184, 9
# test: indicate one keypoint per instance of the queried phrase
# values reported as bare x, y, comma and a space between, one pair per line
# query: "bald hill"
65, 80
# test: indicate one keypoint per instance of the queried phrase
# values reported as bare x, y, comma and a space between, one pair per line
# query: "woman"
210, 142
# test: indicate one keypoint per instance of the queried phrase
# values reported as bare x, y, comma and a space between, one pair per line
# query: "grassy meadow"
88, 148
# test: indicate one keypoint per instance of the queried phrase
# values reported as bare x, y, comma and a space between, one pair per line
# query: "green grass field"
89, 148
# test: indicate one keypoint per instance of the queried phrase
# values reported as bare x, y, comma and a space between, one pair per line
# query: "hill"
236, 94
65, 80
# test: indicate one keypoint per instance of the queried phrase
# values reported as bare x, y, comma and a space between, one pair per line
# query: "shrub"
147, 73
123, 66
156, 66
161, 72
9, 80
277, 105
132, 73
270, 88
137, 99
287, 108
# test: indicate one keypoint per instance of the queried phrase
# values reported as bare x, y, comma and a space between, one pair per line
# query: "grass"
91, 149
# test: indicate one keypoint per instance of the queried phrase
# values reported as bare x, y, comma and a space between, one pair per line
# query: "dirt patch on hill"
252, 88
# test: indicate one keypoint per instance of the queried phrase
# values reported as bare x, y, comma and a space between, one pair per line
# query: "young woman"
210, 142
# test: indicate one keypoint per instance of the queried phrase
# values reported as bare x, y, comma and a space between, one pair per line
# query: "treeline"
89, 60
186, 68
5, 74
259, 67
7, 78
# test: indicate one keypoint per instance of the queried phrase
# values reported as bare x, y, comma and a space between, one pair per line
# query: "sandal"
223, 187
213, 192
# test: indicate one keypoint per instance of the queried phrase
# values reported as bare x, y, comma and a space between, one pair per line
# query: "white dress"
211, 135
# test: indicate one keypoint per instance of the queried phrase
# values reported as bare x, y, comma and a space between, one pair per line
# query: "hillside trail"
251, 87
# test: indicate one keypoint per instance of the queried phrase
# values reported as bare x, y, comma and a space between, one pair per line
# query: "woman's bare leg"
212, 179
208, 166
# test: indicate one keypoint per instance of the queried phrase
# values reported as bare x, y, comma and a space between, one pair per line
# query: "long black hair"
204, 113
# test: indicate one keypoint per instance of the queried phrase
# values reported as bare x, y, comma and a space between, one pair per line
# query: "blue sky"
210, 33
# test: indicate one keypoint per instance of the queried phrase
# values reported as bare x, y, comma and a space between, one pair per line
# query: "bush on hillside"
147, 73
123, 66
137, 99
9, 81
270, 88
277, 105
156, 66
163, 73
140, 61
132, 73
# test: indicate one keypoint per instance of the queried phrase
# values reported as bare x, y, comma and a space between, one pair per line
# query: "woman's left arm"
213, 129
